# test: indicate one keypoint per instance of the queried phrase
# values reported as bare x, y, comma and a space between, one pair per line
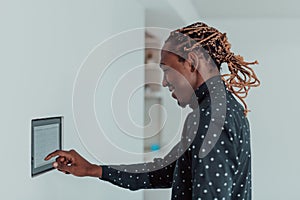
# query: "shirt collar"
202, 91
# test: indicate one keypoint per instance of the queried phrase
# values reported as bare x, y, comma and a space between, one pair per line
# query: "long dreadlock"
198, 35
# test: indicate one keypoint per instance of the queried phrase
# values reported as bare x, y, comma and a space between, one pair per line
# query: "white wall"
42, 46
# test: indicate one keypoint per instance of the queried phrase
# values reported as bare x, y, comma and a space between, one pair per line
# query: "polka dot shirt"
212, 160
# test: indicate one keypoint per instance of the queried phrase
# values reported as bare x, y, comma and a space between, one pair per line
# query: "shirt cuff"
105, 172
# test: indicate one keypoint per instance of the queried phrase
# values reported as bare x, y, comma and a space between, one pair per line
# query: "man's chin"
181, 104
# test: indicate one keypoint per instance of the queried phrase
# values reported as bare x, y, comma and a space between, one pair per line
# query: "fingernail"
55, 164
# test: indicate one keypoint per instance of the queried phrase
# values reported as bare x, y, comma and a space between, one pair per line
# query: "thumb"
63, 167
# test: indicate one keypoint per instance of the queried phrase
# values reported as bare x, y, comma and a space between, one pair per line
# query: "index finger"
56, 153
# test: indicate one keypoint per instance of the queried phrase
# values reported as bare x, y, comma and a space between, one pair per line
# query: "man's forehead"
162, 56
166, 56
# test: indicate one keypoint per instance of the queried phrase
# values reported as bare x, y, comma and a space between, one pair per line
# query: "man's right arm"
133, 177
142, 177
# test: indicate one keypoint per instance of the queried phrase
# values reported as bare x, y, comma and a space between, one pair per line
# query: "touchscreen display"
45, 137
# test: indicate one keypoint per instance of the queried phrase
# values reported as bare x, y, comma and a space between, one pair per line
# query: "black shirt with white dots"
206, 164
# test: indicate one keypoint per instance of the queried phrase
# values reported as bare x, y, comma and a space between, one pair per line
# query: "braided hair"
199, 36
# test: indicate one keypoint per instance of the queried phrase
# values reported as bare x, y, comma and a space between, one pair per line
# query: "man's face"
178, 77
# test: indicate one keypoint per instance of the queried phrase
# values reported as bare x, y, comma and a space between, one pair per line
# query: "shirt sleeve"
161, 178
156, 174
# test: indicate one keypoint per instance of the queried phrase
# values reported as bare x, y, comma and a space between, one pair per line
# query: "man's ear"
193, 60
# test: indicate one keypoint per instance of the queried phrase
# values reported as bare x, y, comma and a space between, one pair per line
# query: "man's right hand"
70, 162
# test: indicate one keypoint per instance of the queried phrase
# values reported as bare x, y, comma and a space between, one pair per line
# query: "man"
213, 158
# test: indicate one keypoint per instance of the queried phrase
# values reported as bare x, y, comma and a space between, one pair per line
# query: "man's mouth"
173, 94
172, 90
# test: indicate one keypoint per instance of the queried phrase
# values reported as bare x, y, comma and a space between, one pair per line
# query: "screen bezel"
41, 122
